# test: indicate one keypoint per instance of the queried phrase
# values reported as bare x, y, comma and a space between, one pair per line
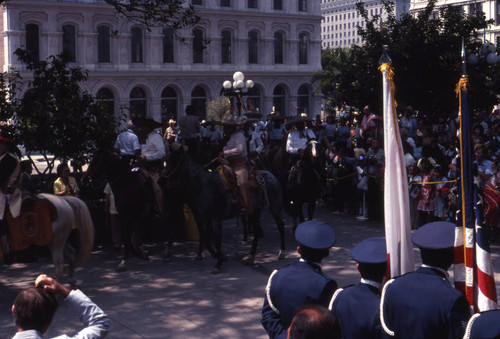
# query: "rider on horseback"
152, 156
296, 144
235, 152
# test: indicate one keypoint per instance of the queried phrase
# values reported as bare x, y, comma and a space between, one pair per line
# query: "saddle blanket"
32, 227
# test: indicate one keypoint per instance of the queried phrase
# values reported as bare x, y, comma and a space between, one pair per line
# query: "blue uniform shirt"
358, 308
290, 288
423, 304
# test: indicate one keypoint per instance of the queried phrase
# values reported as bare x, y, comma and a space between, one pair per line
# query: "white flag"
396, 197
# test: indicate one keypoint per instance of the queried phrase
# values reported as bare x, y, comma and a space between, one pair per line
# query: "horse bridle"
171, 173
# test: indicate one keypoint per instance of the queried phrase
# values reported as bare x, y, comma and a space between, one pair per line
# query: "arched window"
279, 43
197, 46
33, 40
253, 99
136, 45
226, 47
168, 45
198, 101
303, 42
107, 99
103, 44
279, 100
253, 47
278, 4
303, 5
138, 103
169, 104
69, 42
303, 99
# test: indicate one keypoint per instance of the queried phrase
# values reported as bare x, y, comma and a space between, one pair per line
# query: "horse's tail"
85, 226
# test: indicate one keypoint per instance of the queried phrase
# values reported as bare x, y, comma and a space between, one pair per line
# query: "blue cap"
370, 251
315, 234
436, 235
486, 325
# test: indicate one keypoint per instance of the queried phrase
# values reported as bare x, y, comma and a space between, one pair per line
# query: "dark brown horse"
210, 202
133, 198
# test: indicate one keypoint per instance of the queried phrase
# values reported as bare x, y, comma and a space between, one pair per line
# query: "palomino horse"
210, 202
68, 212
133, 199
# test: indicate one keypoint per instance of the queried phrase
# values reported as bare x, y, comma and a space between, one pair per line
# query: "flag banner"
396, 196
473, 269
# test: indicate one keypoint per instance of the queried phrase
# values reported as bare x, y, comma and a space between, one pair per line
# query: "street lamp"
487, 53
236, 88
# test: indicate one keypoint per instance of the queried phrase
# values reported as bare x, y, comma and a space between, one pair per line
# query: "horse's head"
176, 156
101, 163
311, 147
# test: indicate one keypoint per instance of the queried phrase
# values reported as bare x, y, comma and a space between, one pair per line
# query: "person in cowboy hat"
235, 151
171, 132
363, 299
10, 194
127, 145
152, 154
254, 141
300, 283
423, 303
276, 130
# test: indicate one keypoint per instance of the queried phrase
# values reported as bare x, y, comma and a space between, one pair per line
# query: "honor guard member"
423, 303
357, 307
300, 283
484, 325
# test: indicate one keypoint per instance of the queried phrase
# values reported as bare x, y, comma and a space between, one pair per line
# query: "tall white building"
490, 8
339, 27
275, 43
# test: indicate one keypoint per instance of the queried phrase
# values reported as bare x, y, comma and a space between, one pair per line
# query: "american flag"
473, 269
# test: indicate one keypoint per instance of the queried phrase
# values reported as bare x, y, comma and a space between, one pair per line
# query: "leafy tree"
55, 116
332, 61
425, 52
8, 100
154, 13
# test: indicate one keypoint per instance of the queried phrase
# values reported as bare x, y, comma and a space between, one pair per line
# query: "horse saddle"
33, 226
228, 177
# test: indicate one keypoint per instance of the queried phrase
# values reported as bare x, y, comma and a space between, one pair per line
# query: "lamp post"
486, 53
236, 88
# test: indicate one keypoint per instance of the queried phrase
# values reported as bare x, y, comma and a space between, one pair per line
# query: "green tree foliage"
8, 100
55, 116
425, 52
328, 78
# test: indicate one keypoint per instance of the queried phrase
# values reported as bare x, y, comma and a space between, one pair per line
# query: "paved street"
180, 298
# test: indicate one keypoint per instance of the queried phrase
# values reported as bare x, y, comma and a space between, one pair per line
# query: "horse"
68, 211
304, 183
204, 192
134, 201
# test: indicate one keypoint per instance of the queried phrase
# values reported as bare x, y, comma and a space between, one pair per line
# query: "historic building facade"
157, 73
490, 8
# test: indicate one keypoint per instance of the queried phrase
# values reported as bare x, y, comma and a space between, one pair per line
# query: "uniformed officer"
358, 306
300, 283
423, 303
484, 325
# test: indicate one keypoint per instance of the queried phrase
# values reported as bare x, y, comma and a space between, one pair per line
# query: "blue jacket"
290, 288
358, 309
423, 304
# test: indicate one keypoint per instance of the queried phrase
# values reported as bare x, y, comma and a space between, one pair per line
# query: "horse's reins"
206, 165
168, 175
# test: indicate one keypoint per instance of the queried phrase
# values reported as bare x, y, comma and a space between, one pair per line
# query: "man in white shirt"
152, 155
